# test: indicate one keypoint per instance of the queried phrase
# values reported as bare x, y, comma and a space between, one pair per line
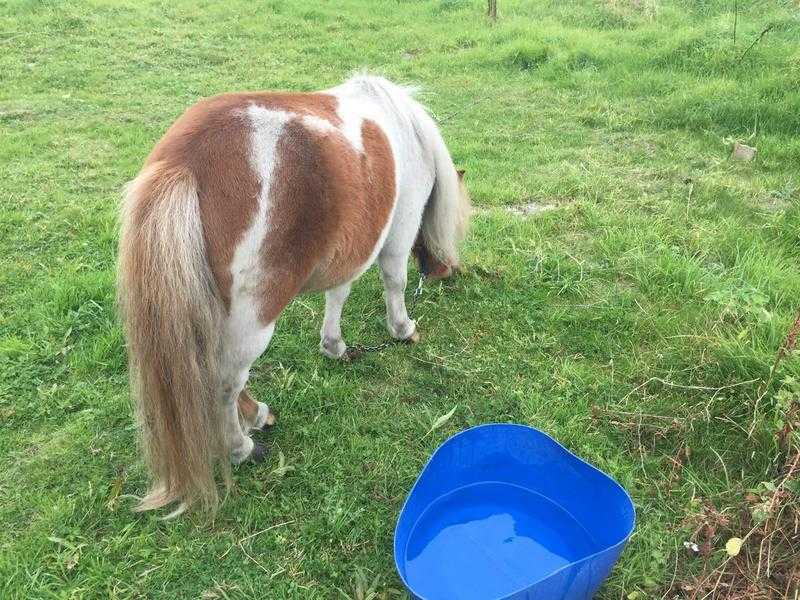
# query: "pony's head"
429, 263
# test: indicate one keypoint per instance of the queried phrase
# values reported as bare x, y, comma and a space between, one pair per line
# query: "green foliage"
525, 55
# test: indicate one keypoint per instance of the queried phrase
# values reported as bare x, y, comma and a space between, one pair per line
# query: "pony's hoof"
258, 454
335, 349
407, 332
413, 338
264, 419
269, 422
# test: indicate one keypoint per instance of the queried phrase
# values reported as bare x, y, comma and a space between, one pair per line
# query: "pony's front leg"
394, 272
331, 343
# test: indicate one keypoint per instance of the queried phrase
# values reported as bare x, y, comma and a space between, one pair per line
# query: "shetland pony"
247, 201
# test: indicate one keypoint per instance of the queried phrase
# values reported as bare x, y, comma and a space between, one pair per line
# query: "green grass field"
635, 320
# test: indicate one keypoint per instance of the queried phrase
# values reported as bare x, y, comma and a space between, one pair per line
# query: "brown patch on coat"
330, 204
211, 140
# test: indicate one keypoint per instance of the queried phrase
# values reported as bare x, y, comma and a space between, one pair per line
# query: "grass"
662, 283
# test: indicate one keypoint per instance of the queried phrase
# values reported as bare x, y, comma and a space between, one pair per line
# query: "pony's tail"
444, 222
173, 316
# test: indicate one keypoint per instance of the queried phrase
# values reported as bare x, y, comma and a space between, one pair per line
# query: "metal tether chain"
358, 349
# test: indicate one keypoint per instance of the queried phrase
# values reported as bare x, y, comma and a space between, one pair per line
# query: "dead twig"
758, 528
702, 388
252, 535
463, 108
766, 29
262, 567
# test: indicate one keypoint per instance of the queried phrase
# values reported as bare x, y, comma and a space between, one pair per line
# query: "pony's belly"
338, 273
323, 283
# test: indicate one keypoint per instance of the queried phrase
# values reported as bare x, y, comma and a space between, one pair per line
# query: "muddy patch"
527, 209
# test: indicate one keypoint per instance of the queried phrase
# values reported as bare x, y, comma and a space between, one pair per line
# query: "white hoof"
264, 418
405, 332
333, 348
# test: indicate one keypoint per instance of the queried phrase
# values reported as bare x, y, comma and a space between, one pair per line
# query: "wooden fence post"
492, 12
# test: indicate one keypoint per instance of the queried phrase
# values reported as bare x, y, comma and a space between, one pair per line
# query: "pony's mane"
398, 100
378, 86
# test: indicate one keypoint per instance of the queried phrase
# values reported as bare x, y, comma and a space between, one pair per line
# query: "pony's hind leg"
241, 445
245, 347
254, 414
331, 343
394, 272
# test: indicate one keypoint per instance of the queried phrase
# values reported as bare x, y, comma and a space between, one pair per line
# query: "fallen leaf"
734, 546
282, 468
441, 421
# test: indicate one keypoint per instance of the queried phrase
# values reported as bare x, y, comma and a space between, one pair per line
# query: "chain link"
358, 349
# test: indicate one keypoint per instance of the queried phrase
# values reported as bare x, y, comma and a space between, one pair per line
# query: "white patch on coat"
318, 124
351, 112
248, 336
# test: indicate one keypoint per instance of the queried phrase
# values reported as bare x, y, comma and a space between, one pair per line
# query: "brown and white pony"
249, 200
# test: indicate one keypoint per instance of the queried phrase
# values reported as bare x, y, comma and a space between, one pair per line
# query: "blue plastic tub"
506, 512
